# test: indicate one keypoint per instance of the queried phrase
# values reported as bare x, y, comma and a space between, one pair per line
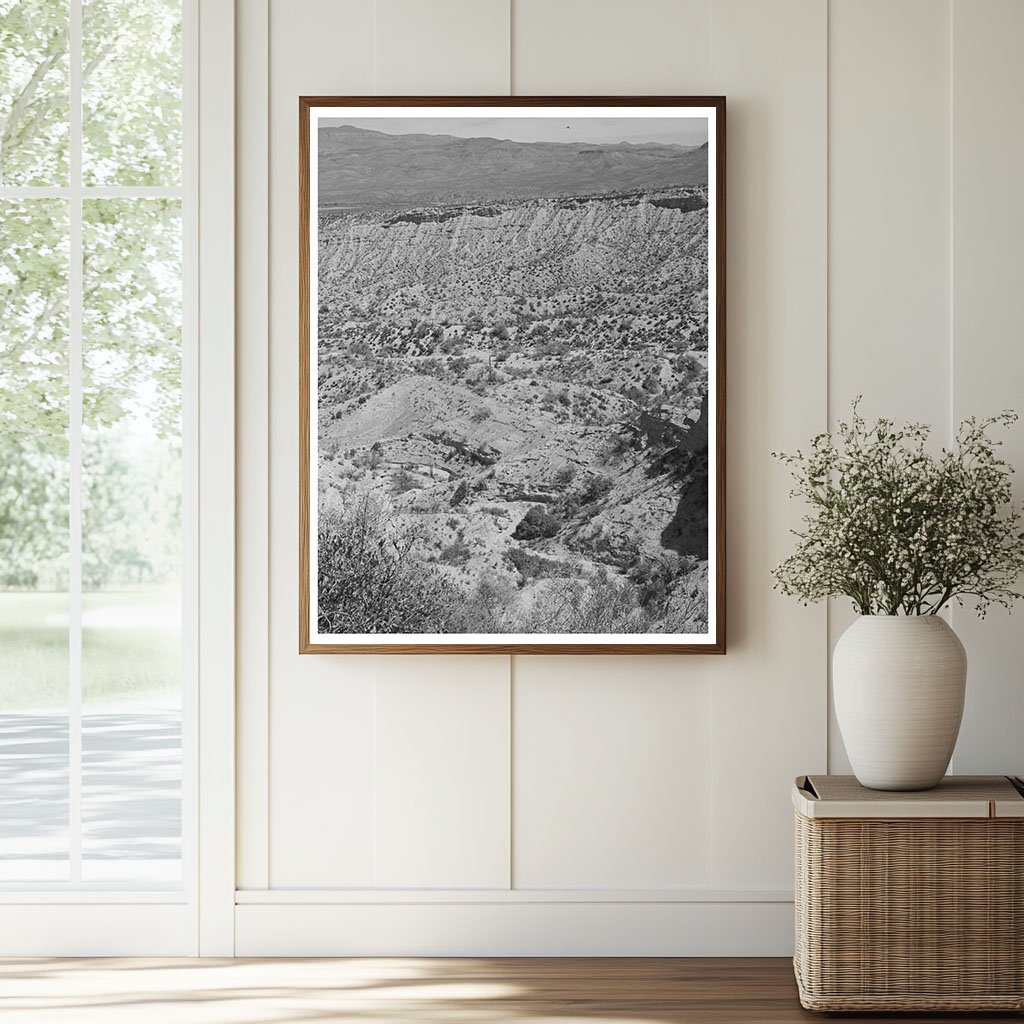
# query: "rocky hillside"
521, 388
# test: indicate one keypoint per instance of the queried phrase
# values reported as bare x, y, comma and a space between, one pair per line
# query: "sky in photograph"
678, 131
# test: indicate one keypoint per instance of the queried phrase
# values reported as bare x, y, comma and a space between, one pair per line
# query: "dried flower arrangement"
901, 530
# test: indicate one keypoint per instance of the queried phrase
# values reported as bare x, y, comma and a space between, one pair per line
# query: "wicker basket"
910, 901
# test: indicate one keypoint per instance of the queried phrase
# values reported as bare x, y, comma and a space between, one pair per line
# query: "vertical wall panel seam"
252, 421
510, 704
511, 50
950, 342
511, 785
828, 343
375, 763
827, 658
949, 214
510, 710
710, 676
376, 19
950, 149
266, 737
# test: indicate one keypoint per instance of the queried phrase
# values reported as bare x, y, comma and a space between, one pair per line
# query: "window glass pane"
131, 541
33, 92
33, 540
131, 92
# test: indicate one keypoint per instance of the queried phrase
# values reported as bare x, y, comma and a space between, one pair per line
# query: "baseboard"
521, 928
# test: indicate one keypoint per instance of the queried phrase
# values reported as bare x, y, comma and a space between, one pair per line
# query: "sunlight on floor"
142, 991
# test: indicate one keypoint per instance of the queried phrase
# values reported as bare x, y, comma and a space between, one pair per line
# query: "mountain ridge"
362, 168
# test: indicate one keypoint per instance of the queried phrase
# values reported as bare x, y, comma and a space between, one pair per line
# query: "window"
95, 464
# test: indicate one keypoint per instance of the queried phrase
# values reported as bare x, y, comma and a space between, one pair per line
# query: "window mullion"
75, 333
95, 191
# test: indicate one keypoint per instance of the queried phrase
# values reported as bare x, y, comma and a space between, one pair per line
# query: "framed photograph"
512, 375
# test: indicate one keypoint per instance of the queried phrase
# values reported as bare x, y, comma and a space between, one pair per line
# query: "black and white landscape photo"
511, 376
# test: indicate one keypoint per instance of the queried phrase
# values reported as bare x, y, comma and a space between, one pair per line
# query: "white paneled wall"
441, 48
889, 201
889, 208
768, 694
442, 799
625, 805
643, 46
987, 327
926, 281
612, 774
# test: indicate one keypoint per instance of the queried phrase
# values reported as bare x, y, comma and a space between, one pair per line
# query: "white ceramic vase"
898, 683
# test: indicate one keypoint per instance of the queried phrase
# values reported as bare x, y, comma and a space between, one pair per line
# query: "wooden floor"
372, 991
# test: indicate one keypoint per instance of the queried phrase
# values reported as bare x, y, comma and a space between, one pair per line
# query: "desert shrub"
403, 481
537, 524
655, 578
525, 563
491, 608
370, 580
564, 476
554, 347
460, 494
480, 414
568, 505
456, 553
619, 443
367, 460
531, 566
690, 364
594, 488
553, 398
686, 608
598, 605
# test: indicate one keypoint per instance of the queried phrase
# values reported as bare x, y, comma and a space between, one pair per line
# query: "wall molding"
215, 279
363, 897
516, 928
252, 233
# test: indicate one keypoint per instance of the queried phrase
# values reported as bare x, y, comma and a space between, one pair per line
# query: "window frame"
72, 917
75, 194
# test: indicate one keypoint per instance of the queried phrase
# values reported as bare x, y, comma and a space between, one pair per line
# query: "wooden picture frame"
408, 183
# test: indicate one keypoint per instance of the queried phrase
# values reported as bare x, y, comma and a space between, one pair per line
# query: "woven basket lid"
957, 796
